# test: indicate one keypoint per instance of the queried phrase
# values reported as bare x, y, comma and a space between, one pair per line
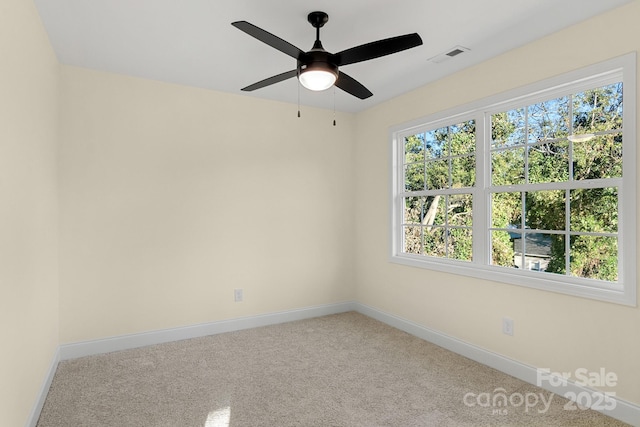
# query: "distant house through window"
532, 254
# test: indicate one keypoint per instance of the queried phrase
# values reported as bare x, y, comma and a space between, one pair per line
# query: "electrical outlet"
237, 295
507, 326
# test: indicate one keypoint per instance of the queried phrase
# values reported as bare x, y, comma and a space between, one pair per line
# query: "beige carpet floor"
339, 370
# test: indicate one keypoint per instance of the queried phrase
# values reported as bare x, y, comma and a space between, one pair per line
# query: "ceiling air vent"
450, 53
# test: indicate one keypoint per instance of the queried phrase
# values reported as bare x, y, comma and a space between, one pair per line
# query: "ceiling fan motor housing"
316, 70
318, 60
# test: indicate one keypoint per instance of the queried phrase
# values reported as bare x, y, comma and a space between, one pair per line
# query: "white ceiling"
192, 42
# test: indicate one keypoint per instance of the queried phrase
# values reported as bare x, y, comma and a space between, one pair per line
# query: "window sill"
617, 293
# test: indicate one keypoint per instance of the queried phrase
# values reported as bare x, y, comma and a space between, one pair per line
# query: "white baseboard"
125, 342
107, 345
32, 421
623, 410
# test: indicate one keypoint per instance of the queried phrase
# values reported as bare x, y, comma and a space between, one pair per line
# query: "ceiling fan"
317, 69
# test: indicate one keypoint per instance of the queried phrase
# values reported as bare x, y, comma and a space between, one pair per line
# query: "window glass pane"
437, 174
549, 162
437, 143
502, 252
463, 172
412, 242
507, 167
508, 128
434, 211
414, 148
506, 210
460, 211
600, 157
548, 120
594, 210
594, 257
545, 210
414, 177
434, 242
598, 109
413, 210
460, 244
462, 138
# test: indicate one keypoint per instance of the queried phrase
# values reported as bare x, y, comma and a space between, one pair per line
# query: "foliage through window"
439, 170
534, 186
532, 145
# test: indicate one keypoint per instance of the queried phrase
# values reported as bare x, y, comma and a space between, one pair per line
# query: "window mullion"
481, 195
567, 235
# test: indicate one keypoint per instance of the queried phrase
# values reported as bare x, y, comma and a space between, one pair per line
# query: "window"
535, 187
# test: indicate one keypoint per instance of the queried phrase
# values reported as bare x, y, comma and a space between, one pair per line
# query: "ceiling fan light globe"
317, 80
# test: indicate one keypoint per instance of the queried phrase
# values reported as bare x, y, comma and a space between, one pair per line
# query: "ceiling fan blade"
268, 38
352, 86
271, 80
377, 49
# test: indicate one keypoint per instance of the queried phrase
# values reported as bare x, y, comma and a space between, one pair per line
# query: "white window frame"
624, 291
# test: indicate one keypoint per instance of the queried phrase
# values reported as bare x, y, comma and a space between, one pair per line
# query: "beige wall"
172, 196
28, 209
551, 330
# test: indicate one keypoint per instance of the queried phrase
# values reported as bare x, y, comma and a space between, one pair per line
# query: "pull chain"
298, 95
334, 105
